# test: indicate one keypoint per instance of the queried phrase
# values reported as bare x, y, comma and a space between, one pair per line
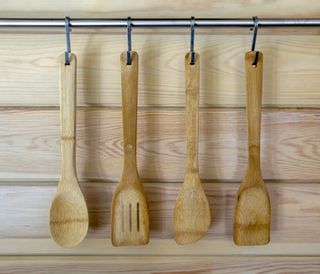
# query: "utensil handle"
68, 115
129, 87
192, 82
254, 101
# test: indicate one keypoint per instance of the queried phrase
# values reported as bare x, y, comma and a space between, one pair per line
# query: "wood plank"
29, 70
30, 147
161, 264
24, 209
29, 139
156, 247
165, 8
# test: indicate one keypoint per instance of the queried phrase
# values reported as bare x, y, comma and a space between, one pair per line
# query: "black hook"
254, 40
129, 30
192, 25
68, 43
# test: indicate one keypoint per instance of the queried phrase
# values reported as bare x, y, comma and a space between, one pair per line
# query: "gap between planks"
169, 108
97, 182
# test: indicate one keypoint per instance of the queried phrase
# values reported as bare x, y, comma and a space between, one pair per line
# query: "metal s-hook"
68, 43
255, 32
254, 40
129, 30
192, 25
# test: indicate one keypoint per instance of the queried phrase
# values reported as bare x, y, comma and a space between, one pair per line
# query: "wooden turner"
192, 213
69, 214
130, 217
252, 212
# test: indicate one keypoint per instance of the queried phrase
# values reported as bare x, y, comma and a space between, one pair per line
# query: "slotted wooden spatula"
192, 213
130, 217
69, 214
252, 212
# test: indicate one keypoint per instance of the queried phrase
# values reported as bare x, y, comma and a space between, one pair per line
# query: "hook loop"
68, 43
192, 27
129, 30
254, 40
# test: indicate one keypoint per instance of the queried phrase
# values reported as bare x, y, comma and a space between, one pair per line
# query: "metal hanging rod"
200, 22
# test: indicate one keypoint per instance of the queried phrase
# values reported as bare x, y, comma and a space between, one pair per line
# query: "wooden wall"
29, 136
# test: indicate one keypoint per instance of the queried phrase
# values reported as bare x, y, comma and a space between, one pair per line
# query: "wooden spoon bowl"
68, 219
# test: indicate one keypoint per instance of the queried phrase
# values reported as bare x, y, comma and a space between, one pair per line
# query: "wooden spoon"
69, 213
192, 213
252, 212
130, 217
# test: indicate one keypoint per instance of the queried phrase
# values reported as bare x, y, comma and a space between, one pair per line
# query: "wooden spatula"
192, 213
69, 214
252, 212
130, 217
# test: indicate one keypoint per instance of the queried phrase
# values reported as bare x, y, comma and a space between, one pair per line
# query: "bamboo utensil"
69, 213
192, 213
130, 217
252, 212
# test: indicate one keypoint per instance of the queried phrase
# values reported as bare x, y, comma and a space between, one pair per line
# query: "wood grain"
24, 209
192, 216
68, 213
165, 8
29, 71
252, 213
30, 146
29, 137
130, 215
156, 247
162, 264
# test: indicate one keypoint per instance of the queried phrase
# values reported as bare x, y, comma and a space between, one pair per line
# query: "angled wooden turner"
130, 217
192, 213
252, 212
69, 213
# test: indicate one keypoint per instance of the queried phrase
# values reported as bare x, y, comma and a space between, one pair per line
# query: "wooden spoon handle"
254, 100
129, 86
192, 82
68, 115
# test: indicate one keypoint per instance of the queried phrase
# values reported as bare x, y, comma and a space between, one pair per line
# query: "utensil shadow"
91, 167
148, 142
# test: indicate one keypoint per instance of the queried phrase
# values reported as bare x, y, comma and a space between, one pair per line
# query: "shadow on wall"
148, 62
91, 131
